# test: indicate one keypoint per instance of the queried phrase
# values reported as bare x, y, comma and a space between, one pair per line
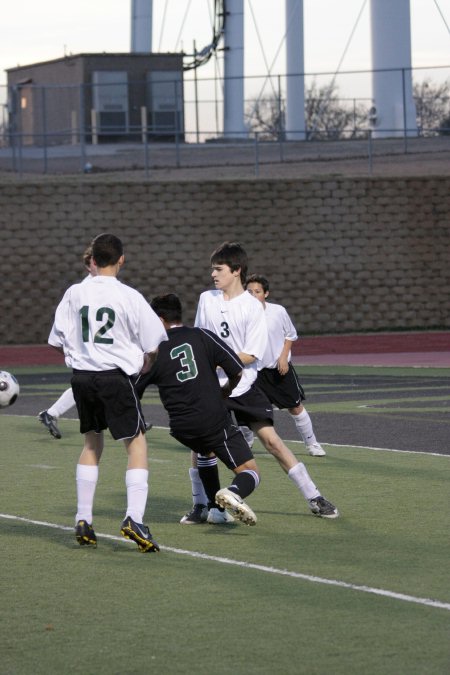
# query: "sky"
40, 30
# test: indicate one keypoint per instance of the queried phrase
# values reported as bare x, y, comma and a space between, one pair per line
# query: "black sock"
209, 475
244, 483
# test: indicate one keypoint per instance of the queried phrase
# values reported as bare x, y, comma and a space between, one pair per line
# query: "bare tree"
327, 116
432, 107
265, 116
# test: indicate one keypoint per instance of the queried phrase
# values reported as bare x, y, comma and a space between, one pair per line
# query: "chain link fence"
57, 129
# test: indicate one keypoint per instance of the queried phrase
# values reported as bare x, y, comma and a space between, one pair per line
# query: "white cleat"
216, 517
230, 500
316, 450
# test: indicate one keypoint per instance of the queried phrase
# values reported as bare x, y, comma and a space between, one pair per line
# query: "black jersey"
185, 374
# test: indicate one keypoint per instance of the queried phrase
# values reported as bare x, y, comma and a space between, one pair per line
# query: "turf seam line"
261, 568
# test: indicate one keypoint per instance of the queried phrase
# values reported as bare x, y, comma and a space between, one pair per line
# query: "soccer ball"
9, 389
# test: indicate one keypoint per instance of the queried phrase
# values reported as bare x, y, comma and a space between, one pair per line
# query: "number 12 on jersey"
105, 316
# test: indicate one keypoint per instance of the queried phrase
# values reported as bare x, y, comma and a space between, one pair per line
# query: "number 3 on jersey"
187, 360
225, 332
100, 315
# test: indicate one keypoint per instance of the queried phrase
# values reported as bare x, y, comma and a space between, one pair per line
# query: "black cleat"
140, 534
323, 508
85, 534
49, 422
196, 516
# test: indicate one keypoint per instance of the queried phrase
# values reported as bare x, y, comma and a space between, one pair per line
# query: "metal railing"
51, 128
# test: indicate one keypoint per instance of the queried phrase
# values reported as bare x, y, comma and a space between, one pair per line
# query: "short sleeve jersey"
185, 373
280, 328
241, 324
103, 324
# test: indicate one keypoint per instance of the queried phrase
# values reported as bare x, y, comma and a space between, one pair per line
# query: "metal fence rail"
39, 135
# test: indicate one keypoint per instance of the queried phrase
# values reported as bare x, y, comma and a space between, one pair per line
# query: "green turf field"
366, 593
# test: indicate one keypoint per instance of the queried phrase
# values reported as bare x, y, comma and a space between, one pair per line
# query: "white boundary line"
260, 568
294, 440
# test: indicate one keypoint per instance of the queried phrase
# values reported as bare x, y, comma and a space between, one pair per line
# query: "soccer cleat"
316, 450
49, 422
85, 534
323, 508
140, 534
217, 517
196, 516
228, 499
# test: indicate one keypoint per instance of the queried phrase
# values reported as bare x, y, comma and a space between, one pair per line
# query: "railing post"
405, 117
256, 155
370, 152
82, 129
44, 129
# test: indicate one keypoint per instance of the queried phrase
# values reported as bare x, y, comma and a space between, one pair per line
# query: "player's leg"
296, 470
304, 427
237, 456
286, 392
50, 416
248, 435
86, 481
136, 480
62, 404
199, 511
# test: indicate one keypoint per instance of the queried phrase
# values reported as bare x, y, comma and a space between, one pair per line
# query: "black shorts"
227, 443
284, 391
253, 406
107, 400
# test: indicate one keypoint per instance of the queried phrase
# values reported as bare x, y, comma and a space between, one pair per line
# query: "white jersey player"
108, 334
276, 374
240, 322
231, 313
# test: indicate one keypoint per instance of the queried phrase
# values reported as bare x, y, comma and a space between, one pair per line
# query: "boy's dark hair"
233, 255
168, 307
87, 256
258, 279
106, 250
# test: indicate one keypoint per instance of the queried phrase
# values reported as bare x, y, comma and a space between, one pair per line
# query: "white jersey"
102, 324
241, 324
280, 328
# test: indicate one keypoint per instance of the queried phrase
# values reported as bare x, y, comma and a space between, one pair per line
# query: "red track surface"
374, 349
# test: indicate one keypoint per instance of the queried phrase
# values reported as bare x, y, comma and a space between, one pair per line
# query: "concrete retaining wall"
342, 255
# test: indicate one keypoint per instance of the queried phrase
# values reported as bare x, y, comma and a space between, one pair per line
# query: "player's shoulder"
275, 308
250, 303
210, 295
248, 300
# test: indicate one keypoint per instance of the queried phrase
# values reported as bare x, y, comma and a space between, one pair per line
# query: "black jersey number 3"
187, 361
105, 314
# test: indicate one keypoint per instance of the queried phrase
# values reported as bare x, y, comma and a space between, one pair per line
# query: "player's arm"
282, 361
233, 381
246, 359
149, 360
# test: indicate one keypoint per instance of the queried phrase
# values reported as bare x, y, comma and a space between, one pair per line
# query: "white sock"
136, 481
299, 475
63, 404
248, 435
198, 491
86, 477
304, 427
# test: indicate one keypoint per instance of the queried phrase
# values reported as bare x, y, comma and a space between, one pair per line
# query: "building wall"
342, 255
59, 89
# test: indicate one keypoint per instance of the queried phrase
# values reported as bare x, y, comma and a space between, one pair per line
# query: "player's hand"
282, 366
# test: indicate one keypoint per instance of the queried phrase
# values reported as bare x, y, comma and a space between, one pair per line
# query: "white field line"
260, 568
293, 440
